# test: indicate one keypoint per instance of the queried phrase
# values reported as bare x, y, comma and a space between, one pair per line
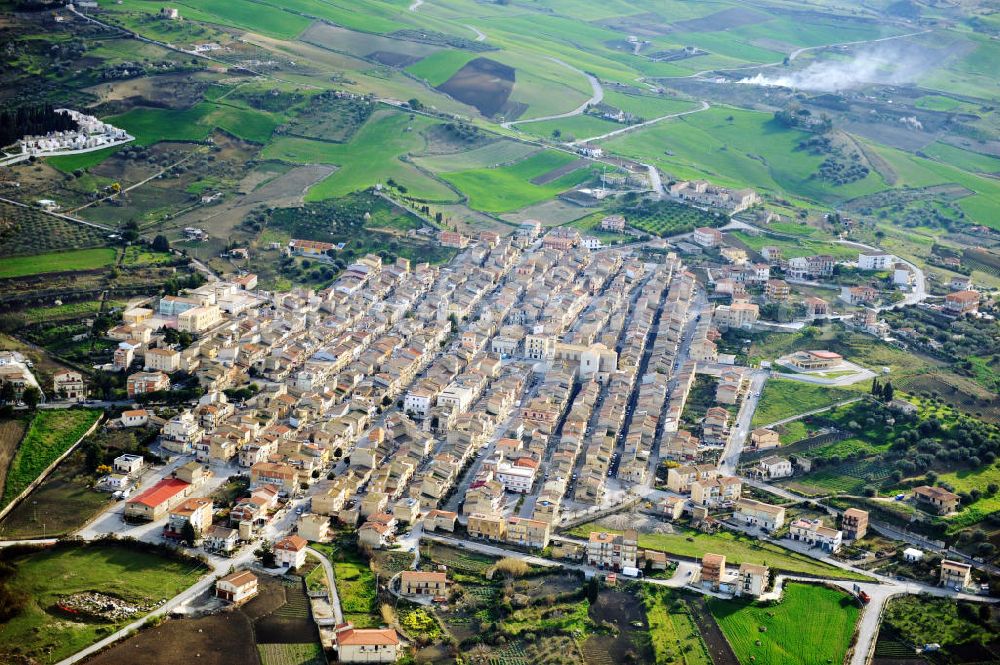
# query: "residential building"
961, 302
763, 439
816, 307
314, 528
487, 526
528, 533
854, 524
613, 551
220, 540
68, 384
141, 383
452, 239
516, 477
772, 467
615, 223
955, 575
310, 248
279, 474
195, 511
777, 290
153, 504
130, 465
366, 645
290, 551
752, 580
808, 361
236, 588
938, 499
875, 261
737, 315
713, 570
716, 491
134, 418
162, 360
420, 583
815, 534
758, 513
707, 237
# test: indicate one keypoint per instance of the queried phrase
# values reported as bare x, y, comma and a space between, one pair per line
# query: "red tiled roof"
367, 637
160, 492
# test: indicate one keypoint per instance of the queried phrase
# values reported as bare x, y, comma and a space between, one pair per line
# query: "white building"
516, 478
875, 261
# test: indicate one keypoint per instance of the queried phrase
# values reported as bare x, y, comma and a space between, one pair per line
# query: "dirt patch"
624, 611
175, 91
483, 83
718, 647
221, 639
11, 433
555, 174
726, 19
291, 623
644, 25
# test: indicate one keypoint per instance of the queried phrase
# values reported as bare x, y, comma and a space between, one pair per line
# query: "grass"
70, 163
737, 549
112, 569
508, 188
438, 67
355, 586
373, 155
260, 17
572, 619
672, 630
194, 124
784, 637
77, 259
49, 435
784, 398
795, 248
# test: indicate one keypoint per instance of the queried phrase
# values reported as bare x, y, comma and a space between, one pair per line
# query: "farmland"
959, 628
784, 398
11, 432
144, 577
776, 634
672, 630
32, 232
72, 260
49, 435
508, 188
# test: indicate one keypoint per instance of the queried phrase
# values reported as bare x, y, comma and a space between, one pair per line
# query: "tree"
592, 589
876, 389
888, 391
556, 133
7, 393
31, 397
161, 244
189, 533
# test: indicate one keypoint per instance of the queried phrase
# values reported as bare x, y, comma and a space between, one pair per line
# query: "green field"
923, 620
77, 259
42, 634
784, 398
70, 163
672, 630
260, 17
438, 67
785, 637
793, 248
509, 188
194, 124
49, 435
736, 148
737, 549
373, 155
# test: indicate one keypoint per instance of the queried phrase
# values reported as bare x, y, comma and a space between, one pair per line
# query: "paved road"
730, 457
595, 98
338, 616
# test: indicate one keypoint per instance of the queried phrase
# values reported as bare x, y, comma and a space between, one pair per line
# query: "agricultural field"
49, 435
776, 634
784, 398
666, 218
672, 629
508, 188
737, 548
68, 261
11, 432
29, 231
144, 577
355, 586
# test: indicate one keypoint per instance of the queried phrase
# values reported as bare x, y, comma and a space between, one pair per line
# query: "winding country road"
704, 107
480, 35
595, 98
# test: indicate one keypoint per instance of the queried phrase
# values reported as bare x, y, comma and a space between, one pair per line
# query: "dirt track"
718, 647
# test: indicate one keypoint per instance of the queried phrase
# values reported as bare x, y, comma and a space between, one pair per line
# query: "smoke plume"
886, 65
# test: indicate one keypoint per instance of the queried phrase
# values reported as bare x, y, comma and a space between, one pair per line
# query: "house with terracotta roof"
366, 645
713, 570
196, 511
290, 551
237, 588
938, 498
155, 502
420, 583
961, 302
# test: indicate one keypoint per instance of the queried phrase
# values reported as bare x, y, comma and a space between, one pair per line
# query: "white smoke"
885, 65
